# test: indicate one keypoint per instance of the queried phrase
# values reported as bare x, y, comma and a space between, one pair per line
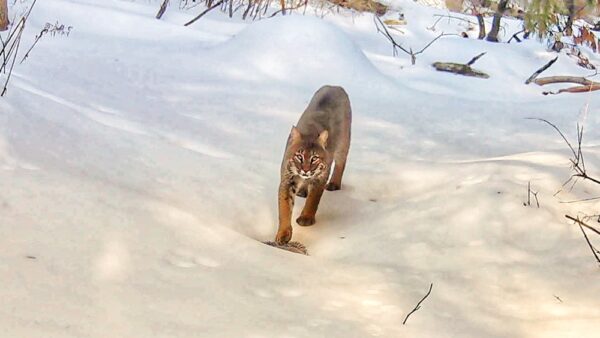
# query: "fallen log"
460, 68
563, 79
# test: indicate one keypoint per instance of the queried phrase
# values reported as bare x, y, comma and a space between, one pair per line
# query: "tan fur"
320, 139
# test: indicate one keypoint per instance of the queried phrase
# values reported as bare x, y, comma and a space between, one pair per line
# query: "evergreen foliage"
542, 15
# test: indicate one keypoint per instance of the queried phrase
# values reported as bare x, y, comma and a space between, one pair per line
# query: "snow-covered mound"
296, 49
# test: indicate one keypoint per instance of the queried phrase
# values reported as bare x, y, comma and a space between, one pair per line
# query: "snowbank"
139, 164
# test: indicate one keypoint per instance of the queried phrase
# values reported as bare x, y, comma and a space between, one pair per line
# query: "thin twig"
163, 9
539, 71
589, 243
580, 222
382, 28
581, 200
475, 59
529, 193
515, 36
581, 226
13, 62
283, 10
558, 130
217, 4
440, 17
37, 39
418, 306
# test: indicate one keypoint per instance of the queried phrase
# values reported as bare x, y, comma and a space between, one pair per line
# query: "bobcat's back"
328, 110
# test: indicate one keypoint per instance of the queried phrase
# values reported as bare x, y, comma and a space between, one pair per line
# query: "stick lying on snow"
586, 85
162, 9
461, 69
418, 306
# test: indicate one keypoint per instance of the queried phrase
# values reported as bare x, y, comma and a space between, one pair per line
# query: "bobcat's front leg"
307, 217
286, 204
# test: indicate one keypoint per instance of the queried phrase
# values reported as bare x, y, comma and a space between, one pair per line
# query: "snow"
139, 164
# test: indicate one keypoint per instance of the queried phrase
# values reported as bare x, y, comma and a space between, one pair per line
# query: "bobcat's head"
308, 156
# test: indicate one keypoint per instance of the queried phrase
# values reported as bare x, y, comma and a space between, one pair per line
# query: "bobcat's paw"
302, 193
305, 221
283, 236
333, 187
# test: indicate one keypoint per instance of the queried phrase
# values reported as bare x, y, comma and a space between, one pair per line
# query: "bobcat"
320, 138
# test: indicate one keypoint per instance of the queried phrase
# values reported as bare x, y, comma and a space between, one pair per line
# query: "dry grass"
362, 6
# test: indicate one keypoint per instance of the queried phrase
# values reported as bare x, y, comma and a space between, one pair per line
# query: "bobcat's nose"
304, 173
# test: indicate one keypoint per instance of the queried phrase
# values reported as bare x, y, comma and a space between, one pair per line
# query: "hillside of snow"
139, 166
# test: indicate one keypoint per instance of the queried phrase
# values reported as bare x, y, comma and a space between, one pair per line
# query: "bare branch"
215, 5
418, 306
529, 193
581, 225
576, 89
558, 130
162, 9
516, 37
580, 222
284, 10
539, 71
581, 200
475, 59
382, 28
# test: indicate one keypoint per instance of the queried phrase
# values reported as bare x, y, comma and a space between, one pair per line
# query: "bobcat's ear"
294, 135
322, 139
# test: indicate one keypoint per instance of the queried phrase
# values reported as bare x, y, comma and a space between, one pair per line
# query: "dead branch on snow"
162, 10
586, 85
461, 69
418, 306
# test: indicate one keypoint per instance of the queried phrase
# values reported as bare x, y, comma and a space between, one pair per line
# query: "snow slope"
139, 165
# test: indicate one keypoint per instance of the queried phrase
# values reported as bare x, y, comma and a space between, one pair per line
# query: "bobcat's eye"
298, 157
314, 159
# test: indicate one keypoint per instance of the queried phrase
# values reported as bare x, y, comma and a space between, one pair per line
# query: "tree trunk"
282, 3
569, 25
493, 35
3, 15
481, 26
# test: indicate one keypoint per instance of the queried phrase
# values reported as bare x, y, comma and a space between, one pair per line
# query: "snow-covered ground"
139, 164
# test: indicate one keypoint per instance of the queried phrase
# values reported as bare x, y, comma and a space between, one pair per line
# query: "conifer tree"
541, 15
